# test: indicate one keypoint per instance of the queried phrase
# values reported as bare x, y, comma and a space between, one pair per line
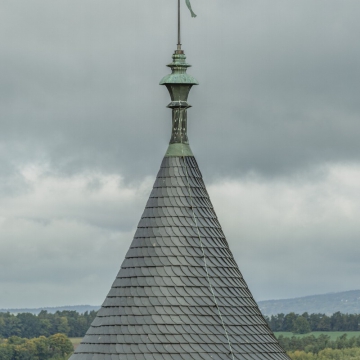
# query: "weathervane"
192, 15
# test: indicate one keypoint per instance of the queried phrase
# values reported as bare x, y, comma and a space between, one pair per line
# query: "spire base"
178, 150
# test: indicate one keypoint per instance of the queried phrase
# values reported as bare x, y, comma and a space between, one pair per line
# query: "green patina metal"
179, 84
189, 7
179, 67
179, 150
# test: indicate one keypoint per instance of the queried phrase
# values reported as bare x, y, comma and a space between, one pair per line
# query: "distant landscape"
347, 302
52, 310
318, 327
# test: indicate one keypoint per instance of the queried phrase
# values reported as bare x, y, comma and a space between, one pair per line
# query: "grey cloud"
58, 263
279, 84
290, 238
293, 239
79, 97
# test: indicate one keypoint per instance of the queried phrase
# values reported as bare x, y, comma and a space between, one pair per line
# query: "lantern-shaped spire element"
179, 84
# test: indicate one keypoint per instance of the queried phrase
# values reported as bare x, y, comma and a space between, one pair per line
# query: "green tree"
352, 322
29, 325
25, 351
2, 326
335, 354
289, 321
276, 322
342, 342
12, 326
42, 347
301, 326
60, 345
45, 327
6, 352
314, 320
56, 347
323, 342
324, 324
16, 340
63, 326
337, 322
301, 355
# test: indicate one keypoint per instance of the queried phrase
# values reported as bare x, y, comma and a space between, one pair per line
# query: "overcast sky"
275, 127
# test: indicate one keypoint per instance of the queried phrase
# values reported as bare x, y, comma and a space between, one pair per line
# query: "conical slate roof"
179, 294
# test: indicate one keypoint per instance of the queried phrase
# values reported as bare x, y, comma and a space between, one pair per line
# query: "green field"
333, 334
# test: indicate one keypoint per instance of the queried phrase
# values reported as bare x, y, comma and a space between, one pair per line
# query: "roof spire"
179, 84
179, 294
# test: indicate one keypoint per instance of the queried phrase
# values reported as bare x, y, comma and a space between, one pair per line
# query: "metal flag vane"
189, 6
192, 15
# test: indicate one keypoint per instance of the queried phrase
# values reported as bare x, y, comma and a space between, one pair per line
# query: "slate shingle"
179, 293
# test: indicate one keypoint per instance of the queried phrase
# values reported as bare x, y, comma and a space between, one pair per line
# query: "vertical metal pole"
179, 37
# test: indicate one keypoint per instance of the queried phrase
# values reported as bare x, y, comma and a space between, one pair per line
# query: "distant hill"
79, 308
345, 302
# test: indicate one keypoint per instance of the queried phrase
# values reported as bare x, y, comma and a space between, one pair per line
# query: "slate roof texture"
179, 294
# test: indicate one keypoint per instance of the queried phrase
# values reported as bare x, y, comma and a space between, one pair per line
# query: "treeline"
305, 323
27, 325
55, 347
312, 344
327, 354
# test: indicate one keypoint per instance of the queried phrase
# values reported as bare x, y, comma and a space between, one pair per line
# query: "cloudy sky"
275, 127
